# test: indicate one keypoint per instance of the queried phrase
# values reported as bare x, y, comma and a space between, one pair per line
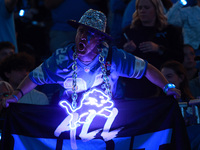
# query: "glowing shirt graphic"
93, 102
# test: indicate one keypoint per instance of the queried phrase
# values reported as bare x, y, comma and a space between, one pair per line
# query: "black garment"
170, 42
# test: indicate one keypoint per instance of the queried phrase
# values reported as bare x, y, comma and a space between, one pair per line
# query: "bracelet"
20, 92
15, 97
168, 86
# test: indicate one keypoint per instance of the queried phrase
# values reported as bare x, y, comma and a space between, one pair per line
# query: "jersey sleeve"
52, 70
128, 65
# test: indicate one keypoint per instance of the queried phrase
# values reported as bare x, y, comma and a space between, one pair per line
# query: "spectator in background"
151, 38
13, 70
195, 83
5, 90
6, 49
7, 27
189, 62
175, 73
130, 9
189, 19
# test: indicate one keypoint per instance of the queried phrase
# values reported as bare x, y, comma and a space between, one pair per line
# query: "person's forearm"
155, 76
25, 86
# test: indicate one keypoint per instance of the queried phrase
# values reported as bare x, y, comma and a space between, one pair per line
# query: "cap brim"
76, 24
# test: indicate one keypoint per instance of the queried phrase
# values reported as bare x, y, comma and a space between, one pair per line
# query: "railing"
194, 105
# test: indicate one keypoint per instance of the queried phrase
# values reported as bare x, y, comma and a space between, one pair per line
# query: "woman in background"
175, 73
151, 38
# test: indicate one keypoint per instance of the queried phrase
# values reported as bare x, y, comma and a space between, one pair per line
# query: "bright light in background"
93, 102
21, 12
183, 2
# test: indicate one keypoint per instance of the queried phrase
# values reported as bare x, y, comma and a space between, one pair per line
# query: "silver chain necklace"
105, 86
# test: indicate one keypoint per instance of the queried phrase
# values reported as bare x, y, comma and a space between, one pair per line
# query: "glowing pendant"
93, 102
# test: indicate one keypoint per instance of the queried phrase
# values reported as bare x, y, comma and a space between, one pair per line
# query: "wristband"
15, 97
20, 92
168, 86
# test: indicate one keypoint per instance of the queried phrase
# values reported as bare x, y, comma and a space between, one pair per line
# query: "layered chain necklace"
105, 86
